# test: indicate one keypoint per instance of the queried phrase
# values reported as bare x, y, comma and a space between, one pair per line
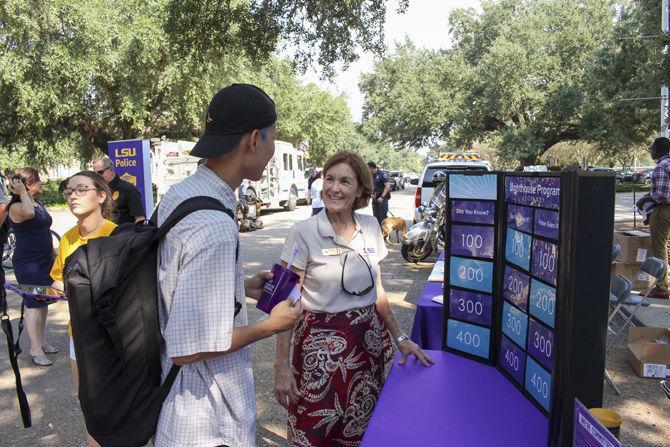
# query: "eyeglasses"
102, 171
80, 191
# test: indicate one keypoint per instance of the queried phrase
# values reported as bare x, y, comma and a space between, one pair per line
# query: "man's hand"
254, 286
380, 199
643, 200
284, 316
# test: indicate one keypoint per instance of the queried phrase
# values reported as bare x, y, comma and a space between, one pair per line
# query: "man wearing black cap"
212, 401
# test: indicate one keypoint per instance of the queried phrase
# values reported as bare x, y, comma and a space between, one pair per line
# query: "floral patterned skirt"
339, 363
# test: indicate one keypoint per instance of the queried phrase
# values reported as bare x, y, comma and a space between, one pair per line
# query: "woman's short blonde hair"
363, 176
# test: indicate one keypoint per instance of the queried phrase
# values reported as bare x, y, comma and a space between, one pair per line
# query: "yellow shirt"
70, 241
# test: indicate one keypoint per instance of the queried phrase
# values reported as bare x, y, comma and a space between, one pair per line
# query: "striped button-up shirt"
660, 181
212, 402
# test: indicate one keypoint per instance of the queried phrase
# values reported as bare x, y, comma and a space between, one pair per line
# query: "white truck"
283, 183
447, 161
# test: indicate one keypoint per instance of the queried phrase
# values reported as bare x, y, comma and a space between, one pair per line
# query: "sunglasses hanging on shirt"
372, 280
355, 265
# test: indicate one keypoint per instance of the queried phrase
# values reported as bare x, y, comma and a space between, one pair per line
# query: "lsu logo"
115, 195
129, 178
125, 152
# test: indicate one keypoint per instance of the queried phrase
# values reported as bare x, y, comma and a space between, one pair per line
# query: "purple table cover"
427, 327
457, 403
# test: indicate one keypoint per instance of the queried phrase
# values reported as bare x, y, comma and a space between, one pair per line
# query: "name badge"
369, 250
334, 251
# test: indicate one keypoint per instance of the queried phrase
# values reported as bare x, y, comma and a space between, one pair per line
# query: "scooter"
427, 235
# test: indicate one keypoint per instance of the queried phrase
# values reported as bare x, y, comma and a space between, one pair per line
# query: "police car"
448, 161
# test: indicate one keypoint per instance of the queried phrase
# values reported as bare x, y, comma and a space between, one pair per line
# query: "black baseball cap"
234, 111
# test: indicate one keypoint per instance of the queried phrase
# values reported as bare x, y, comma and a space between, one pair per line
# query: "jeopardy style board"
529, 286
470, 267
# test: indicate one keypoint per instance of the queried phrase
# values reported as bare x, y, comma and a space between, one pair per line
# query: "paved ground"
57, 420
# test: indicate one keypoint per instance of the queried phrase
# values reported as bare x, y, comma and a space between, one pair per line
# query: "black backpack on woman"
111, 285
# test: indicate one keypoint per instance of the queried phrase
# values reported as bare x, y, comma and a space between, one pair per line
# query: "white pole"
665, 15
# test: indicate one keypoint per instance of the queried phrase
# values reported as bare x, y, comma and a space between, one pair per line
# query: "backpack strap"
189, 206
185, 208
13, 349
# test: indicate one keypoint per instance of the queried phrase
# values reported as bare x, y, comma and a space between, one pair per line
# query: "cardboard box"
647, 357
635, 246
641, 280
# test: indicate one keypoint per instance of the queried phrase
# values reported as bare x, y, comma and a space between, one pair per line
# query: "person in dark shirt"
128, 205
381, 192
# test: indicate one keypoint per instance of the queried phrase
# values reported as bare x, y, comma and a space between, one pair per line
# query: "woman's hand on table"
285, 389
408, 347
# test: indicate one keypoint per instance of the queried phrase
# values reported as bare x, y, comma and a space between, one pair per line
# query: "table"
427, 327
454, 403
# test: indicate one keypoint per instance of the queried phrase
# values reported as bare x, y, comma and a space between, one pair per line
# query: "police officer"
128, 205
381, 192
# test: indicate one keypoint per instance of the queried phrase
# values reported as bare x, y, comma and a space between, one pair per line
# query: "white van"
449, 161
283, 183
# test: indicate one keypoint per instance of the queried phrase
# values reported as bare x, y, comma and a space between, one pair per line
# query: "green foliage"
75, 74
317, 31
50, 195
524, 75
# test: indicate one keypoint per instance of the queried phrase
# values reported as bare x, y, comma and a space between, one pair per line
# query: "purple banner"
520, 217
512, 359
589, 432
471, 307
546, 223
516, 288
541, 344
544, 192
132, 163
545, 261
476, 242
469, 211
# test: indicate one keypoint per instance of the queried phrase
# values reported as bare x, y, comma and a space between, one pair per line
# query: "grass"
630, 187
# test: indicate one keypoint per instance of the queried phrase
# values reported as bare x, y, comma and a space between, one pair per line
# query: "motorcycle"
427, 235
248, 209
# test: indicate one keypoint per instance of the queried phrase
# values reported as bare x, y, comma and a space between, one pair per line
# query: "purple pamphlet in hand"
280, 287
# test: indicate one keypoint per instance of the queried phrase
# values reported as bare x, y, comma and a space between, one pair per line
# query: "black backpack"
111, 284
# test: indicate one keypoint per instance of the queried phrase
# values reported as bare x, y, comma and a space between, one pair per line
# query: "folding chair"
616, 249
653, 267
619, 290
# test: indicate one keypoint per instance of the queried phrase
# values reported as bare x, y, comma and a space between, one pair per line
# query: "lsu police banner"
132, 162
